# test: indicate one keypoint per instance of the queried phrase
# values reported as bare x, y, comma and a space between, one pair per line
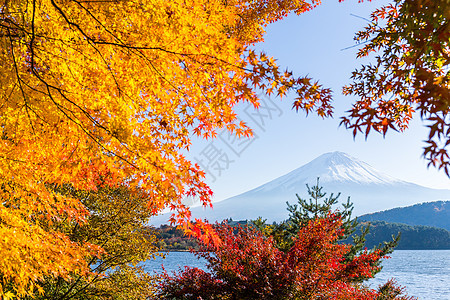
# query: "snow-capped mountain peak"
369, 189
331, 167
339, 166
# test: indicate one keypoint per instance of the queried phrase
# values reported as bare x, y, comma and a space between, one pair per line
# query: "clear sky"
312, 44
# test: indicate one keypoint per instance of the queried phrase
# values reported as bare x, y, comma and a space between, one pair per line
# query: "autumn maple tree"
410, 73
248, 265
111, 91
118, 222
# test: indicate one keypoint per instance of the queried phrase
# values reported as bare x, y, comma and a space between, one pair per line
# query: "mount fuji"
370, 191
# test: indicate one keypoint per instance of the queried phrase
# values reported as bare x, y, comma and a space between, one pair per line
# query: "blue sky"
312, 44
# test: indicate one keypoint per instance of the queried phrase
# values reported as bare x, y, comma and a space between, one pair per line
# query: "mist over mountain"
370, 191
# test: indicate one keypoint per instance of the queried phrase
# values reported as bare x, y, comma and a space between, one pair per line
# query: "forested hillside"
436, 214
173, 239
412, 237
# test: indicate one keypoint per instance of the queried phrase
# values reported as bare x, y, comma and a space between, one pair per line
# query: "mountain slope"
370, 190
416, 237
436, 214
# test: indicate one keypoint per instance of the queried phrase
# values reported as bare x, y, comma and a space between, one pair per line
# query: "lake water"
424, 273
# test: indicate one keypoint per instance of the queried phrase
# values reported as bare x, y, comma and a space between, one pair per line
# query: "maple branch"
356, 16
81, 109
33, 69
88, 38
19, 80
85, 130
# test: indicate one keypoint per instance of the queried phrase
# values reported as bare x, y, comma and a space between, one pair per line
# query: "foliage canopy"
110, 91
411, 73
118, 224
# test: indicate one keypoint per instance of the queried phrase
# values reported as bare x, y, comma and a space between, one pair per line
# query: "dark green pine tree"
320, 206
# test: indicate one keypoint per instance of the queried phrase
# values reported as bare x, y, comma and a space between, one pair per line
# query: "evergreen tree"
320, 206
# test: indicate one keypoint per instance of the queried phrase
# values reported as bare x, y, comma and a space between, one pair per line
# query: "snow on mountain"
370, 191
330, 167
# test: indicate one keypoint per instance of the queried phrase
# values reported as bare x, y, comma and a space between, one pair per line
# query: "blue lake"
424, 273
